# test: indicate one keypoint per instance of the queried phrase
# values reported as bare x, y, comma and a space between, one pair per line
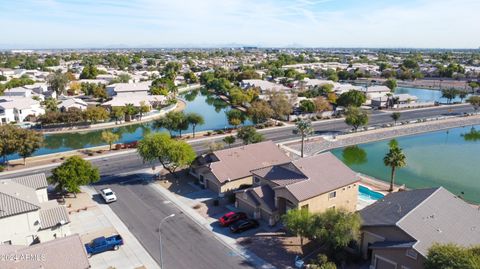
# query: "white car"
108, 195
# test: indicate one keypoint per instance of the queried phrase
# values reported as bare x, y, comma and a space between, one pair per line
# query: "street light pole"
160, 237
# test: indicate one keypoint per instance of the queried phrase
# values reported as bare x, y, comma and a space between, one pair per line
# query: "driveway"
185, 243
91, 222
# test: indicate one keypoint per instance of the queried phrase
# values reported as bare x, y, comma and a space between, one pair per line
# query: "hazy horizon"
74, 24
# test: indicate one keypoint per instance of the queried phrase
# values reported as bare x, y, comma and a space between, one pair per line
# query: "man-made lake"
425, 95
446, 158
209, 106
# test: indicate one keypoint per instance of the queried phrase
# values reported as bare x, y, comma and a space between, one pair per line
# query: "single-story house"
136, 99
314, 183
67, 252
129, 88
26, 215
373, 92
227, 170
399, 229
70, 102
404, 98
264, 86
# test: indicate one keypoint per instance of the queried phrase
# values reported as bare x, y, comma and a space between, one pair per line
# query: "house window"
202, 179
332, 195
411, 253
305, 207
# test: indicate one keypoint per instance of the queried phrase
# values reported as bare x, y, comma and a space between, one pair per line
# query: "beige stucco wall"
23, 228
399, 257
381, 233
42, 195
19, 228
54, 232
346, 197
235, 184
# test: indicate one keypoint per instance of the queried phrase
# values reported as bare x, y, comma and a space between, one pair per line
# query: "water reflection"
472, 136
354, 155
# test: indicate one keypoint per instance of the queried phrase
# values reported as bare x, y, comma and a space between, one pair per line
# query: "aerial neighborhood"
261, 150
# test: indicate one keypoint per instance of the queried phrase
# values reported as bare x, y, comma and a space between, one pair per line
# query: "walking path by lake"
319, 144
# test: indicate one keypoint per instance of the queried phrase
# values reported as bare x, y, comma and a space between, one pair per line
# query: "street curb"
248, 255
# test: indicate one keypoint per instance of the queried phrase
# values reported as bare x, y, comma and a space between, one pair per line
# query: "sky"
263, 23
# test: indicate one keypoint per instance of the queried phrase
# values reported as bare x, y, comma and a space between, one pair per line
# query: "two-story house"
227, 170
314, 183
26, 214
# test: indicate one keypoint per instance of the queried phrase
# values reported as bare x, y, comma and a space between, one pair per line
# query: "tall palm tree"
304, 128
394, 159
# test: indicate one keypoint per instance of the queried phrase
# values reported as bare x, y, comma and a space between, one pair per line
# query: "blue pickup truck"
101, 244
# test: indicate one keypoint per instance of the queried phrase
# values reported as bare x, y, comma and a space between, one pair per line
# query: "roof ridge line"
18, 199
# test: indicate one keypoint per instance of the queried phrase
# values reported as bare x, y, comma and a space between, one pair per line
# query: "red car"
231, 217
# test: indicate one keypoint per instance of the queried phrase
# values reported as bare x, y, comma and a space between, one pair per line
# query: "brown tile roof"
66, 252
237, 162
266, 195
282, 175
325, 173
16, 199
51, 214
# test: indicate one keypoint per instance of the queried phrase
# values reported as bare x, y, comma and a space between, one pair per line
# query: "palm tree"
304, 128
394, 159
195, 119
130, 110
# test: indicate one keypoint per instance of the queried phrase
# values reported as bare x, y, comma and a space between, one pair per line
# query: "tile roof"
427, 215
282, 175
325, 173
235, 163
393, 207
35, 181
16, 199
66, 252
266, 195
51, 214
391, 244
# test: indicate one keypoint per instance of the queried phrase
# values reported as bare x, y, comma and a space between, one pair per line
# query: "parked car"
243, 225
231, 217
108, 195
102, 244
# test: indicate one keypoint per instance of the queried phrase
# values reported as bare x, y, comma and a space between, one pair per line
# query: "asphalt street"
128, 162
185, 243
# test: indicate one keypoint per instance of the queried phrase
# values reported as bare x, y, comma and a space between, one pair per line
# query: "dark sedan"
243, 225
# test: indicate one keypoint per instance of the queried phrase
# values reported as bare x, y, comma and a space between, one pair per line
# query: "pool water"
365, 193
426, 95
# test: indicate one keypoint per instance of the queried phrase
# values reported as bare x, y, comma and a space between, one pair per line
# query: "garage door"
383, 264
245, 207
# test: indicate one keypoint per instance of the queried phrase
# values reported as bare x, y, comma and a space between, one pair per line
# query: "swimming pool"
365, 193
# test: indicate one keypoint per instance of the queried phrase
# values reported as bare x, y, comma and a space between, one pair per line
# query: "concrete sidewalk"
132, 246
226, 240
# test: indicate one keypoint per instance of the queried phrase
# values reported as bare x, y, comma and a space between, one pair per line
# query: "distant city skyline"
264, 23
